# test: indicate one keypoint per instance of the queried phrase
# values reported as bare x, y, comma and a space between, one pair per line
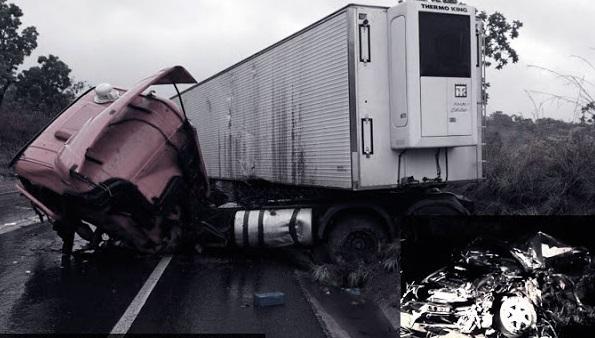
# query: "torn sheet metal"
125, 161
495, 290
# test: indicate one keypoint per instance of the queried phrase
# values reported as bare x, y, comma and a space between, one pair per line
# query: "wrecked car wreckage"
497, 290
126, 162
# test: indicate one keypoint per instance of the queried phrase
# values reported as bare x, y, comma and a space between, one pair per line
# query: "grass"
5, 158
542, 167
16, 130
327, 274
357, 274
342, 275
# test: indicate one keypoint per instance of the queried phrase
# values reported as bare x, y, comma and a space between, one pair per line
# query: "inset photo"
498, 277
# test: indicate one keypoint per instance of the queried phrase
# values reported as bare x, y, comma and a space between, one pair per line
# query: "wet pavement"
15, 210
209, 293
354, 315
215, 295
38, 296
194, 295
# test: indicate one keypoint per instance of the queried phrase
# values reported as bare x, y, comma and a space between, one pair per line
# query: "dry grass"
537, 168
342, 275
390, 255
358, 277
15, 130
328, 274
357, 274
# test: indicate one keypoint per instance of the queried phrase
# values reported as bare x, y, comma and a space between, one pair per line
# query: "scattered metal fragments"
496, 290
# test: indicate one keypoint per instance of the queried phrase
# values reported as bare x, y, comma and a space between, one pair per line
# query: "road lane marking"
139, 301
12, 226
331, 328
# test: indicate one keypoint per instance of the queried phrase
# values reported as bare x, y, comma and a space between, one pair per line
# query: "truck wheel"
355, 238
438, 206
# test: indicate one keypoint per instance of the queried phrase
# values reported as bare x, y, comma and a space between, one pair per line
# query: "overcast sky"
121, 42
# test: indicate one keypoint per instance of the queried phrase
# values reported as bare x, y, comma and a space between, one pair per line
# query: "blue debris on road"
269, 299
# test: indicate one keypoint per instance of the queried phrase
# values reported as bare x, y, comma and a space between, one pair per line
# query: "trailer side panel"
282, 115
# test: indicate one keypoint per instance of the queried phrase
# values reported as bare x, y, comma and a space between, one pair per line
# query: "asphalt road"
214, 295
38, 296
208, 293
15, 211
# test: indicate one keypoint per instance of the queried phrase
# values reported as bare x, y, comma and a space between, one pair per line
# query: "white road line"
138, 302
12, 226
331, 328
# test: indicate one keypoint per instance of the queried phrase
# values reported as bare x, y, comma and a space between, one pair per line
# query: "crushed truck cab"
127, 166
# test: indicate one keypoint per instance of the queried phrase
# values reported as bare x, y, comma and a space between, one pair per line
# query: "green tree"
15, 44
28, 99
46, 88
498, 34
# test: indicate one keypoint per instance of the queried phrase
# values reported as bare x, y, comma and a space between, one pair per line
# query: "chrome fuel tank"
273, 228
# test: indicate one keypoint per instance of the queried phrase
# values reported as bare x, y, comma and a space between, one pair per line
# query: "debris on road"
497, 290
269, 299
353, 291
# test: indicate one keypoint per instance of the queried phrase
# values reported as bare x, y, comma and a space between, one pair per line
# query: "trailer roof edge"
301, 31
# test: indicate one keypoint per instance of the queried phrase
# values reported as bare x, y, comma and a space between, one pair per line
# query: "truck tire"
434, 217
355, 238
438, 206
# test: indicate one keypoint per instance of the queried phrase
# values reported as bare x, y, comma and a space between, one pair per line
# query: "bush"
544, 167
16, 130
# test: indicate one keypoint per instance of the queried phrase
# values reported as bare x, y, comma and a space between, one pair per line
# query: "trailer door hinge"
364, 42
367, 136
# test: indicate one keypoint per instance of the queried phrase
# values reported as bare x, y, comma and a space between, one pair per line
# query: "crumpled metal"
463, 299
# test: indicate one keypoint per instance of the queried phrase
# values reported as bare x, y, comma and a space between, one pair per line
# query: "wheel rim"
517, 315
360, 243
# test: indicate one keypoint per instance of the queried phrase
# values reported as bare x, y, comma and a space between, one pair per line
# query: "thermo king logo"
460, 90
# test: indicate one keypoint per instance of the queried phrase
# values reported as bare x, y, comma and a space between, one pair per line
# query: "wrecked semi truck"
325, 136
359, 116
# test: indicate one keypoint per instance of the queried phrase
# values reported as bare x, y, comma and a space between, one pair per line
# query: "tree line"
44, 88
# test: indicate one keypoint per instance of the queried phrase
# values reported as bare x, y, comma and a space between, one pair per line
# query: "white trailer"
368, 98
332, 133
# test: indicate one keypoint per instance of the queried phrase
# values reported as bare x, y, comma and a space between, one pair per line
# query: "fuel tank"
273, 228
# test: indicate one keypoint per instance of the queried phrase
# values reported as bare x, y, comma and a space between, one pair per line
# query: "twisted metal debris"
496, 290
